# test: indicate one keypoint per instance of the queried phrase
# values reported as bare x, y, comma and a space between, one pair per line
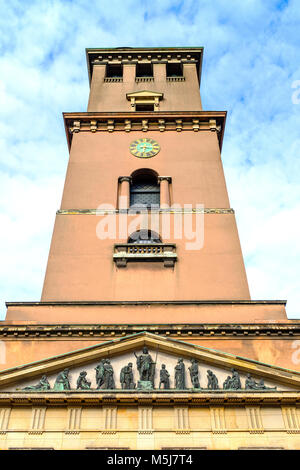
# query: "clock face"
144, 148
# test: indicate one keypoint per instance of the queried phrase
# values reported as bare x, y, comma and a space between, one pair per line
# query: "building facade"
146, 336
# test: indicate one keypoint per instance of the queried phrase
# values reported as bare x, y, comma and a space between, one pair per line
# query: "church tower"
145, 289
145, 141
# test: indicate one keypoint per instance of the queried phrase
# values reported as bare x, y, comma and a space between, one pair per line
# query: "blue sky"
251, 68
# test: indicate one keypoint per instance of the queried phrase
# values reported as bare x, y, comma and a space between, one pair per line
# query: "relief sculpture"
146, 369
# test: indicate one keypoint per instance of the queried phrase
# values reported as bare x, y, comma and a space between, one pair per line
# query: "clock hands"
144, 147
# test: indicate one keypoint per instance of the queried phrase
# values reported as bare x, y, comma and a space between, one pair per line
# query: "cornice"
169, 210
158, 398
161, 121
149, 302
104, 332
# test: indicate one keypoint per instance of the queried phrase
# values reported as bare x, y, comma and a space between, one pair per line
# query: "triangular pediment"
163, 351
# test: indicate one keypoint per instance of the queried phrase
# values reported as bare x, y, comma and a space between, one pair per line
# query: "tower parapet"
173, 73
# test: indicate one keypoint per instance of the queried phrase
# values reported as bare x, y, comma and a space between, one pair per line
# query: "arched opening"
144, 189
144, 237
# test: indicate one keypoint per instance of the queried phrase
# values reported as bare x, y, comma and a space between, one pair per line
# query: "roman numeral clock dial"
144, 148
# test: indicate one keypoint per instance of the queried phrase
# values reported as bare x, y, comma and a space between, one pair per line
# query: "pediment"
163, 350
144, 94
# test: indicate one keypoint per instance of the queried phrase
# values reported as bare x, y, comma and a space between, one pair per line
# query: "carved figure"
82, 382
62, 381
194, 373
108, 376
146, 366
180, 375
164, 377
262, 386
42, 385
126, 377
251, 384
212, 381
226, 384
233, 382
100, 373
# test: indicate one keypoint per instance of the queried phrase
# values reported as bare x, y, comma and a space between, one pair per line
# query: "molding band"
104, 332
157, 398
134, 212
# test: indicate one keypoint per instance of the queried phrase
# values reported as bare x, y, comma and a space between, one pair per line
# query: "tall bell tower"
145, 233
145, 141
145, 264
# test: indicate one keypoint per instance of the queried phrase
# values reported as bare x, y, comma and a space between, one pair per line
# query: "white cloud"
251, 60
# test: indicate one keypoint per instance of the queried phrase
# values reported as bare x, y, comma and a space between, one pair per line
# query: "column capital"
164, 178
125, 178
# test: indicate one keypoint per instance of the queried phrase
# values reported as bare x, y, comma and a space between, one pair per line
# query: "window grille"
114, 71
145, 192
144, 237
144, 70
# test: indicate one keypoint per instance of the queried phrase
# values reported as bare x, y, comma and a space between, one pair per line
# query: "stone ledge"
144, 211
154, 252
147, 302
104, 332
132, 398
161, 121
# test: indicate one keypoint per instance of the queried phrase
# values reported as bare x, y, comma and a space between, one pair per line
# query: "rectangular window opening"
144, 70
114, 71
144, 107
174, 70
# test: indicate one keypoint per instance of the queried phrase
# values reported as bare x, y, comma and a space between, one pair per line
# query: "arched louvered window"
144, 189
144, 237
